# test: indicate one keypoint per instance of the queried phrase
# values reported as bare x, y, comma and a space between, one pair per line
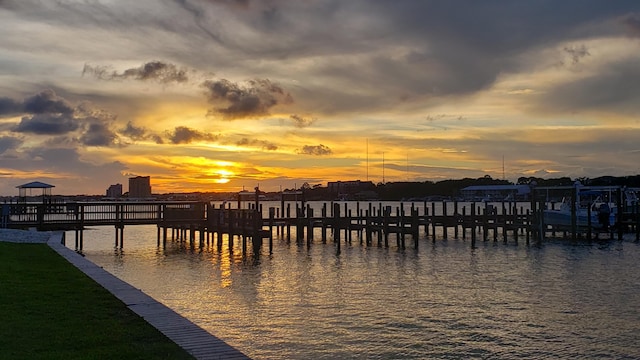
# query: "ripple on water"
442, 301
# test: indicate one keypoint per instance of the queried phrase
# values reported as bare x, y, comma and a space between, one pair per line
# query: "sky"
221, 95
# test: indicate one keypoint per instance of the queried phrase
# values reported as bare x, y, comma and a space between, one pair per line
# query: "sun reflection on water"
443, 300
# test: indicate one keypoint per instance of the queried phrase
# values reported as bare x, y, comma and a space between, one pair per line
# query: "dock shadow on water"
445, 299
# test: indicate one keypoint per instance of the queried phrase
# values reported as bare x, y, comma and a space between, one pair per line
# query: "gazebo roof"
35, 185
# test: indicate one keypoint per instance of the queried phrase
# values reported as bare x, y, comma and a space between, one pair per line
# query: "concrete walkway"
194, 339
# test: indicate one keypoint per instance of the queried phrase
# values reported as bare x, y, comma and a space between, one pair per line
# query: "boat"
594, 208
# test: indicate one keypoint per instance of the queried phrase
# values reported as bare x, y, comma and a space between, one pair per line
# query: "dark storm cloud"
47, 124
318, 150
615, 88
264, 144
154, 70
50, 115
254, 99
498, 26
186, 135
450, 48
301, 122
10, 106
46, 102
98, 134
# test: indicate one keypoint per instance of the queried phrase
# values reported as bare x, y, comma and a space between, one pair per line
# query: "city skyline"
220, 95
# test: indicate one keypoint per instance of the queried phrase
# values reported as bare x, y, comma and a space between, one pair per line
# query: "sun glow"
223, 176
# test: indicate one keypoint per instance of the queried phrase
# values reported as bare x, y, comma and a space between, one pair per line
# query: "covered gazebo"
27, 190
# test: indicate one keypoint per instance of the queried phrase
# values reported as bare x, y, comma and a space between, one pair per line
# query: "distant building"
496, 192
352, 189
140, 187
114, 191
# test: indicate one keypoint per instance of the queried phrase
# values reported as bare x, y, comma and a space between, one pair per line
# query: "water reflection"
443, 300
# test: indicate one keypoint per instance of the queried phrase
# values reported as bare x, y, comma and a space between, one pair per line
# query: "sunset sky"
206, 95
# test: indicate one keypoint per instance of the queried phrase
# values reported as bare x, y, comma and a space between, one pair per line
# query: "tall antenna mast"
503, 167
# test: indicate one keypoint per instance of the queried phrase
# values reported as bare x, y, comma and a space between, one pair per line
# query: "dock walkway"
194, 339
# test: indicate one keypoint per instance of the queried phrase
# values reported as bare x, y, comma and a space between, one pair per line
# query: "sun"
223, 176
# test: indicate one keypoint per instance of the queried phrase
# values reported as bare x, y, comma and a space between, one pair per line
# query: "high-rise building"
114, 191
140, 187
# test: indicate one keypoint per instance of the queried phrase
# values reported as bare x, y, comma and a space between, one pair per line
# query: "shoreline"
186, 334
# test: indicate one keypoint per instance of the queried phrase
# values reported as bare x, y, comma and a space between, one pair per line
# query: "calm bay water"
444, 300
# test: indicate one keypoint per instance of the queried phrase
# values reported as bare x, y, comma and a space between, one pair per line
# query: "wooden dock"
372, 223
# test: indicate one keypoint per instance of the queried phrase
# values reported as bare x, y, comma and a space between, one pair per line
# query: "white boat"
594, 203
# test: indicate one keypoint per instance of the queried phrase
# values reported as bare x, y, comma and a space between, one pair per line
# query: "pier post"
415, 227
473, 225
368, 225
324, 223
387, 215
399, 224
426, 220
272, 211
336, 226
463, 223
504, 223
299, 223
444, 221
349, 223
279, 227
433, 221
309, 224
485, 223
455, 218
288, 221
359, 221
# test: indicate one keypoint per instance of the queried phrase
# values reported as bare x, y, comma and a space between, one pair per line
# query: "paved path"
194, 339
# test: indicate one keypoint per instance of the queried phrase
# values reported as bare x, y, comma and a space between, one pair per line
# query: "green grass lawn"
51, 310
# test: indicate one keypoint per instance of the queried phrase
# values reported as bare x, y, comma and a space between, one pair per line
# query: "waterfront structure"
114, 191
140, 187
496, 192
349, 189
25, 191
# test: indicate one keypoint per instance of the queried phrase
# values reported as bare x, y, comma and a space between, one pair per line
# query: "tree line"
452, 187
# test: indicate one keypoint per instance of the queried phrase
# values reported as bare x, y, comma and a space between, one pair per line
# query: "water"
442, 301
